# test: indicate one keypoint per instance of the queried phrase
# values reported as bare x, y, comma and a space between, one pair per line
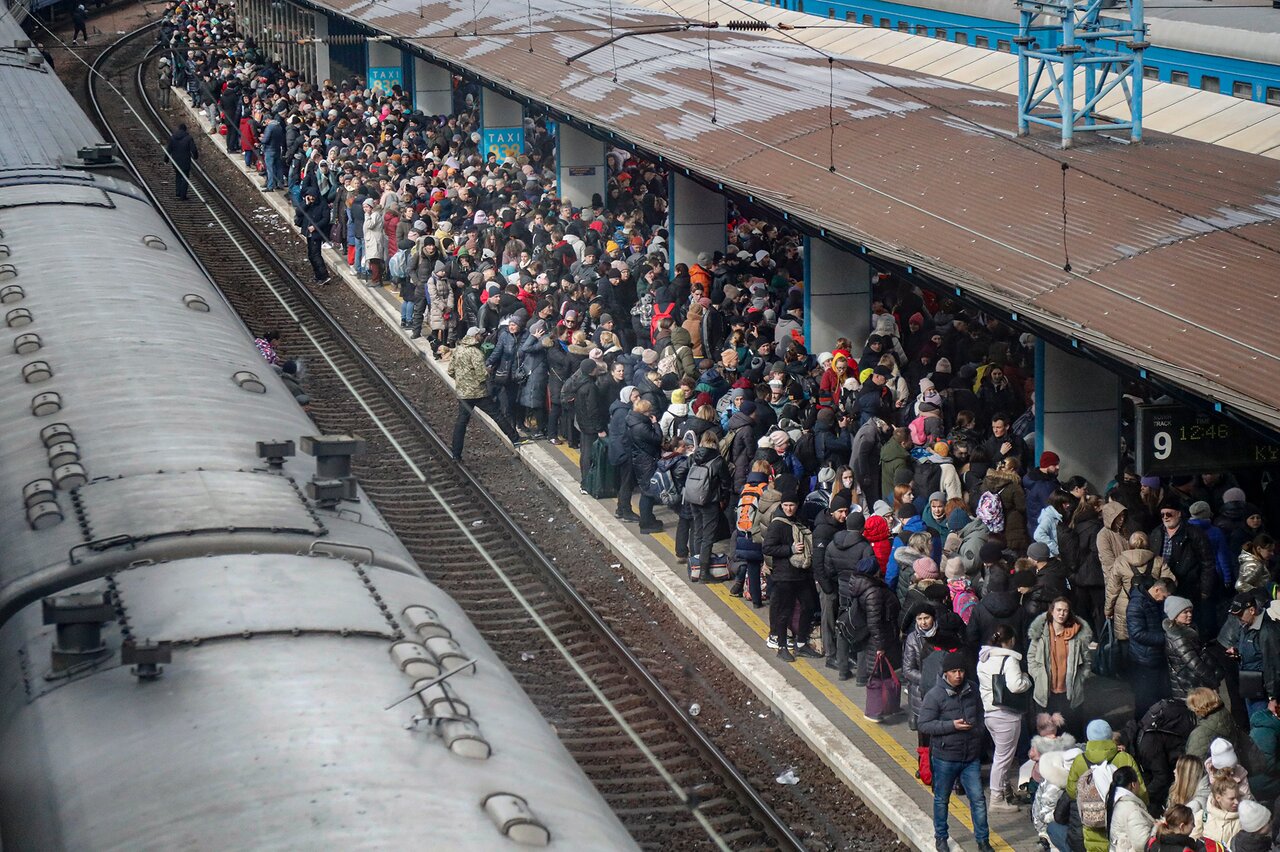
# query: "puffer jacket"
994, 661
1220, 826
1078, 670
1190, 663
532, 355
847, 549
1144, 624
466, 366
781, 535
942, 705
997, 608
1013, 500
905, 558
915, 649
644, 440
972, 536
1251, 573
1110, 543
1218, 724
1130, 823
619, 443
1120, 579
877, 604
1095, 752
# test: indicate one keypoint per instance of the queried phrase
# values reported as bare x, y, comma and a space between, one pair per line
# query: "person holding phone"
951, 715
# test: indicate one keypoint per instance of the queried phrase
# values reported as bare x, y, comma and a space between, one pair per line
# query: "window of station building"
921, 29
884, 24
981, 41
1242, 89
831, 13
1273, 95
1149, 73
851, 16
940, 33
1003, 46
904, 27
1210, 84
869, 21
962, 38
1179, 77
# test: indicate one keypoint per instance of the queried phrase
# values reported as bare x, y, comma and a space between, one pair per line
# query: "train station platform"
877, 761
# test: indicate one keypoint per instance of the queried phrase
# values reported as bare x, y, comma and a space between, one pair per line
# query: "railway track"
667, 781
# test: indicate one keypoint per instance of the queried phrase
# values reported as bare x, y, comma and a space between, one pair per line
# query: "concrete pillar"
501, 125
837, 296
1077, 414
386, 68
581, 160
699, 220
322, 50
432, 88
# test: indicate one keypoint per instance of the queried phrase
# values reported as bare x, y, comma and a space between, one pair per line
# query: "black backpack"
806, 452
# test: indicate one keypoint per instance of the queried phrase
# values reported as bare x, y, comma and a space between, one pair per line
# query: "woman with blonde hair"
1135, 565
1222, 815
1190, 787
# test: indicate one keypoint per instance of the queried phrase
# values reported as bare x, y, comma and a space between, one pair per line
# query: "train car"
198, 637
1233, 50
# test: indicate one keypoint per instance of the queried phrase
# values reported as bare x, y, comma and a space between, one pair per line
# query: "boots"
998, 803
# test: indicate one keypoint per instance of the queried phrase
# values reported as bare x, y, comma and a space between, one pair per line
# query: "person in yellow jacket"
1101, 748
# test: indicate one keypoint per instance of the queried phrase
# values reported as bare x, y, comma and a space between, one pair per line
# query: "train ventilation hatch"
10, 294
414, 660
425, 622
196, 303
512, 816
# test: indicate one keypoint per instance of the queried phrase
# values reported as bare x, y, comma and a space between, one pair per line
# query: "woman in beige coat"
1136, 560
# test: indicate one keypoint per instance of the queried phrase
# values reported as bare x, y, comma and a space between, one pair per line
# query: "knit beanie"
1174, 605
1098, 729
953, 567
1254, 817
925, 569
1222, 754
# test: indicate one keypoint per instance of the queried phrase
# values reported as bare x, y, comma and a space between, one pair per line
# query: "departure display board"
1174, 439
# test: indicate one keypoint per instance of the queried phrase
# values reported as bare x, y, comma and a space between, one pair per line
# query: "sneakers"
736, 588
627, 517
652, 527
772, 643
806, 650
985, 847
832, 664
843, 676
997, 802
786, 656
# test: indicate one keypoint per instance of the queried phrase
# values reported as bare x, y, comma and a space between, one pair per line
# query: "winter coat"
973, 536
1190, 561
993, 661
619, 435
1038, 487
847, 549
1130, 825
1038, 659
997, 608
1217, 724
1264, 773
825, 529
942, 705
182, 149
720, 476
1190, 662
865, 455
644, 441
439, 294
1052, 582
1008, 488
904, 559
781, 534
503, 355
1161, 740
1110, 544
877, 606
893, 458
742, 450
1046, 531
1220, 826
1078, 545
591, 409
1251, 573
532, 356
375, 238
1144, 623
915, 648
1120, 577
466, 366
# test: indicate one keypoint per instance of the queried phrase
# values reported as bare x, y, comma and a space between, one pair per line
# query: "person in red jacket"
248, 139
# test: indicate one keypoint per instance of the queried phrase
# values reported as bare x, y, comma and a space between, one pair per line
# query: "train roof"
923, 172
30, 88
134, 350
278, 741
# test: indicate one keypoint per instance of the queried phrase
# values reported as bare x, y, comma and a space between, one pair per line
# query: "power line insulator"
744, 26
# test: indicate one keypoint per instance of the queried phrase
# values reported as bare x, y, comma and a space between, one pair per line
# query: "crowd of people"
882, 498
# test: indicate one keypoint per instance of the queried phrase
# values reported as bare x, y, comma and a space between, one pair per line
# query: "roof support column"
1078, 414
501, 125
432, 88
581, 164
699, 220
321, 46
837, 288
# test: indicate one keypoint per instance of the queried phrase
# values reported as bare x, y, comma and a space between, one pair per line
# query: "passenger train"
1232, 49
194, 653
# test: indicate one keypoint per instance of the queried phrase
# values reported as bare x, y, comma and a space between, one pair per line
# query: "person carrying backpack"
756, 502
706, 491
1089, 782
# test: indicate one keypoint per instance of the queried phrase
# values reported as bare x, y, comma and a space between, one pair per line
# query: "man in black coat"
182, 150
314, 214
590, 411
828, 524
1187, 554
951, 716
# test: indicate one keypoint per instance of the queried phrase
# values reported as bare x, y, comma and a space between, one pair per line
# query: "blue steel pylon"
1108, 50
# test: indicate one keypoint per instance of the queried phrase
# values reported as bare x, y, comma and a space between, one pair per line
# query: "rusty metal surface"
927, 172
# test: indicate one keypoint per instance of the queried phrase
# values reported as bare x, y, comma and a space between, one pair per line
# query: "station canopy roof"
1173, 245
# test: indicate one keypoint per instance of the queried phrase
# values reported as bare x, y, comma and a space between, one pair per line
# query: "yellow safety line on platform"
894, 749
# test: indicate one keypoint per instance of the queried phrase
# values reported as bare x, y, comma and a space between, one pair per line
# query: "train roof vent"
69, 476
196, 303
5, 251
448, 654
441, 701
12, 293
511, 815
151, 241
18, 317
44, 404
41, 516
249, 381
36, 372
64, 453
414, 660
56, 433
425, 622
463, 738
8, 271
25, 344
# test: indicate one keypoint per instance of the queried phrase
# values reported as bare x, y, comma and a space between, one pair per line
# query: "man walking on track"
182, 150
466, 366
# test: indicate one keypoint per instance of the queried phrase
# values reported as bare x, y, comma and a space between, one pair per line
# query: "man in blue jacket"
951, 716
